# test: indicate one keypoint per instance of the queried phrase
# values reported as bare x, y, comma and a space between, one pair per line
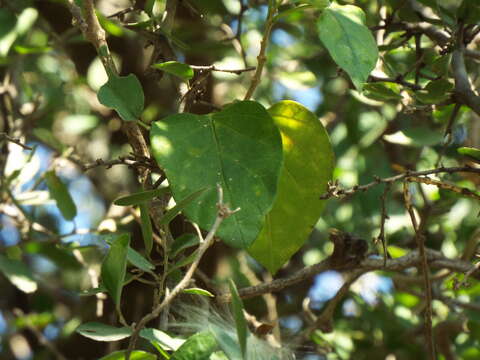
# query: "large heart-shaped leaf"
239, 148
124, 94
350, 43
308, 166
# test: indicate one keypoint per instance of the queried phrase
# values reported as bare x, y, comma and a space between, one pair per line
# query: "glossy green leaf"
103, 332
471, 152
59, 192
163, 339
183, 242
198, 291
197, 347
146, 225
18, 274
343, 31
134, 355
240, 321
124, 94
114, 267
308, 166
136, 259
182, 204
140, 197
176, 68
238, 148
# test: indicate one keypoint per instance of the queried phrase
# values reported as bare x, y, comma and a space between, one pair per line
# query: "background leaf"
238, 148
18, 274
134, 355
59, 191
350, 43
103, 332
114, 267
146, 225
176, 68
140, 197
124, 94
308, 166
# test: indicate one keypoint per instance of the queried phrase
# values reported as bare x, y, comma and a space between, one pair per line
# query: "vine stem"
261, 58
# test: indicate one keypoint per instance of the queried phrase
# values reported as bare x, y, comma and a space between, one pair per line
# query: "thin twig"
223, 213
384, 217
436, 259
261, 58
442, 185
15, 141
334, 191
420, 239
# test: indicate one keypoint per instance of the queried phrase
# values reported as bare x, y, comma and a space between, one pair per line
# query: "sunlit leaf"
308, 166
197, 347
176, 68
198, 291
140, 197
343, 31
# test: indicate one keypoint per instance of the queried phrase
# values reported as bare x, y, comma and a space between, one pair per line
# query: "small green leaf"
239, 148
471, 152
136, 259
114, 267
183, 262
176, 68
382, 91
124, 94
134, 355
182, 204
436, 91
103, 332
146, 225
18, 274
343, 31
140, 197
240, 322
162, 338
59, 192
307, 168
183, 242
197, 347
198, 291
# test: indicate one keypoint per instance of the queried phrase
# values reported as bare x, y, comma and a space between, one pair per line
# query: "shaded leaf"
136, 259
103, 332
343, 31
146, 225
124, 94
238, 148
382, 91
114, 267
182, 204
308, 166
197, 347
240, 322
18, 274
176, 68
183, 242
59, 192
140, 197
